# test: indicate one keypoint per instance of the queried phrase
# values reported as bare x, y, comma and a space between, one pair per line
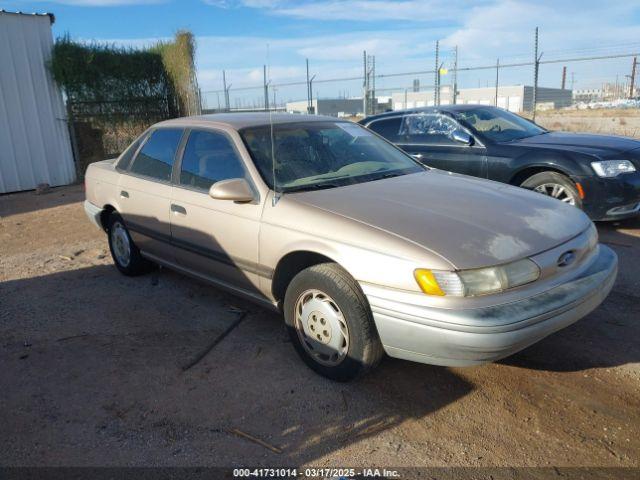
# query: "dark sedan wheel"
554, 185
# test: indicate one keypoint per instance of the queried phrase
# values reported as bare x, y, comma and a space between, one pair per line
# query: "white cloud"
355, 10
103, 3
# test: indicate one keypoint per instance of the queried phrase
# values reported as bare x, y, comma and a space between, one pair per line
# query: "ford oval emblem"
567, 258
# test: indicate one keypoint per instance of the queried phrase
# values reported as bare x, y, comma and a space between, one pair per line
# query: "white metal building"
34, 139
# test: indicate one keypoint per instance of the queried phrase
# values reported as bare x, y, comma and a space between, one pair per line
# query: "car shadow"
93, 373
607, 337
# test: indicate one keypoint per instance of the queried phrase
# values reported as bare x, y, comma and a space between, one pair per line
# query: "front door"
214, 238
428, 138
145, 193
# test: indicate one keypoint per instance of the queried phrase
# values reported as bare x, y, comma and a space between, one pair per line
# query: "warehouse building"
338, 107
34, 139
516, 98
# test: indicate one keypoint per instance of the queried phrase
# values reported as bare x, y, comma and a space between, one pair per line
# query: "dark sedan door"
428, 138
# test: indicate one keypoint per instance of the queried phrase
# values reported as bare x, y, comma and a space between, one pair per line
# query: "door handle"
417, 156
178, 209
124, 194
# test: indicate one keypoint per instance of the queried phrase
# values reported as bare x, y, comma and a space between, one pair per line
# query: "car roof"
241, 120
440, 108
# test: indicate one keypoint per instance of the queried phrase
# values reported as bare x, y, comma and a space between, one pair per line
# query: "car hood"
584, 142
471, 222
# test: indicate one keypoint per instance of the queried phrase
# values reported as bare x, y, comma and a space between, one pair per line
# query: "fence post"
633, 77
226, 92
266, 87
74, 142
436, 89
497, 79
365, 87
455, 76
536, 66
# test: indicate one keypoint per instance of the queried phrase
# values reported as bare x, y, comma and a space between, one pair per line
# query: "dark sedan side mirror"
235, 189
461, 136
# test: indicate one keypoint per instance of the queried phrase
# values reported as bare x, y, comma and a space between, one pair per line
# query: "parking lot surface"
101, 369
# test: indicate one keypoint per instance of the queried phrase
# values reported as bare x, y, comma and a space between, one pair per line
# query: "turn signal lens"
428, 282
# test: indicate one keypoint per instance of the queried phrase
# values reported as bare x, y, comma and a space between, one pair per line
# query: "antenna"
276, 197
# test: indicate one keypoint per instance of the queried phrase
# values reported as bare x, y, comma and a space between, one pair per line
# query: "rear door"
145, 192
214, 238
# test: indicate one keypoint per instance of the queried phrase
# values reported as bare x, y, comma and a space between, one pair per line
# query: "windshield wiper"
312, 186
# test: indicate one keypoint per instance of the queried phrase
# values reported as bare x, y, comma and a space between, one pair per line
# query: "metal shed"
34, 138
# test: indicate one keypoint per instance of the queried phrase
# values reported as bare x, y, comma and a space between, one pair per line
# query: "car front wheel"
330, 323
554, 185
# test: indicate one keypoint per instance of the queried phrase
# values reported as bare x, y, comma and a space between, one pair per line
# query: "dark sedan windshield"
498, 125
313, 155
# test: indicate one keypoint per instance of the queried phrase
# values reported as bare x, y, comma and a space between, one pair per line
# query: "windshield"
498, 125
315, 155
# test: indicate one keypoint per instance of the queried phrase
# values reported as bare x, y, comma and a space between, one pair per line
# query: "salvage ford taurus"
364, 249
597, 173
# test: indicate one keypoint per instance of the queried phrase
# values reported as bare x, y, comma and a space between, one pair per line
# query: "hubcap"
121, 245
321, 327
557, 191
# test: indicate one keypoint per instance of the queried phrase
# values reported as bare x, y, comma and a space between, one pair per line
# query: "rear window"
156, 158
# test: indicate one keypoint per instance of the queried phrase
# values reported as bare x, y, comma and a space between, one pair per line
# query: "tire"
555, 185
327, 290
120, 240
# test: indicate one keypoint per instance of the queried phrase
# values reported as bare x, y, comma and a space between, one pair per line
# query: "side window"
125, 158
428, 128
208, 158
156, 158
388, 128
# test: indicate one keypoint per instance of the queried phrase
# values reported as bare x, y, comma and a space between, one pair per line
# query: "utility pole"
633, 77
564, 77
536, 67
266, 87
436, 89
497, 79
455, 75
365, 87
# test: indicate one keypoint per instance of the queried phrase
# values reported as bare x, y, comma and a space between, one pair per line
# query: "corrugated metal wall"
34, 139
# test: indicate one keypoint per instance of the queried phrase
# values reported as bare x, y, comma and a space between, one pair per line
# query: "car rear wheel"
556, 185
124, 252
330, 323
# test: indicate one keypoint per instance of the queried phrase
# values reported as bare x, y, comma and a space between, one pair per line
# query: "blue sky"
234, 34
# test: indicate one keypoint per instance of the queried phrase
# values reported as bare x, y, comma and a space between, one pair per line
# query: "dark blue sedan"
597, 173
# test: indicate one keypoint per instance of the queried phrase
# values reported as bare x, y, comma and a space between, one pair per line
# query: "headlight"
612, 168
481, 281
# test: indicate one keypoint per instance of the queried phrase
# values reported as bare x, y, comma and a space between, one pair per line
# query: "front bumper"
611, 198
472, 336
93, 214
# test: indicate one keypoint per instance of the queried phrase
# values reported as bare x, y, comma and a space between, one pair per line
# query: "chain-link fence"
546, 85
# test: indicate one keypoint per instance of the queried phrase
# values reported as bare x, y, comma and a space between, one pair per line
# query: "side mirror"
235, 189
461, 136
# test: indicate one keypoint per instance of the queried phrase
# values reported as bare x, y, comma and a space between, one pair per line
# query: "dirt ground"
625, 122
92, 373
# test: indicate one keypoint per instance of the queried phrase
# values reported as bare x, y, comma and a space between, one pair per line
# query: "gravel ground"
92, 373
